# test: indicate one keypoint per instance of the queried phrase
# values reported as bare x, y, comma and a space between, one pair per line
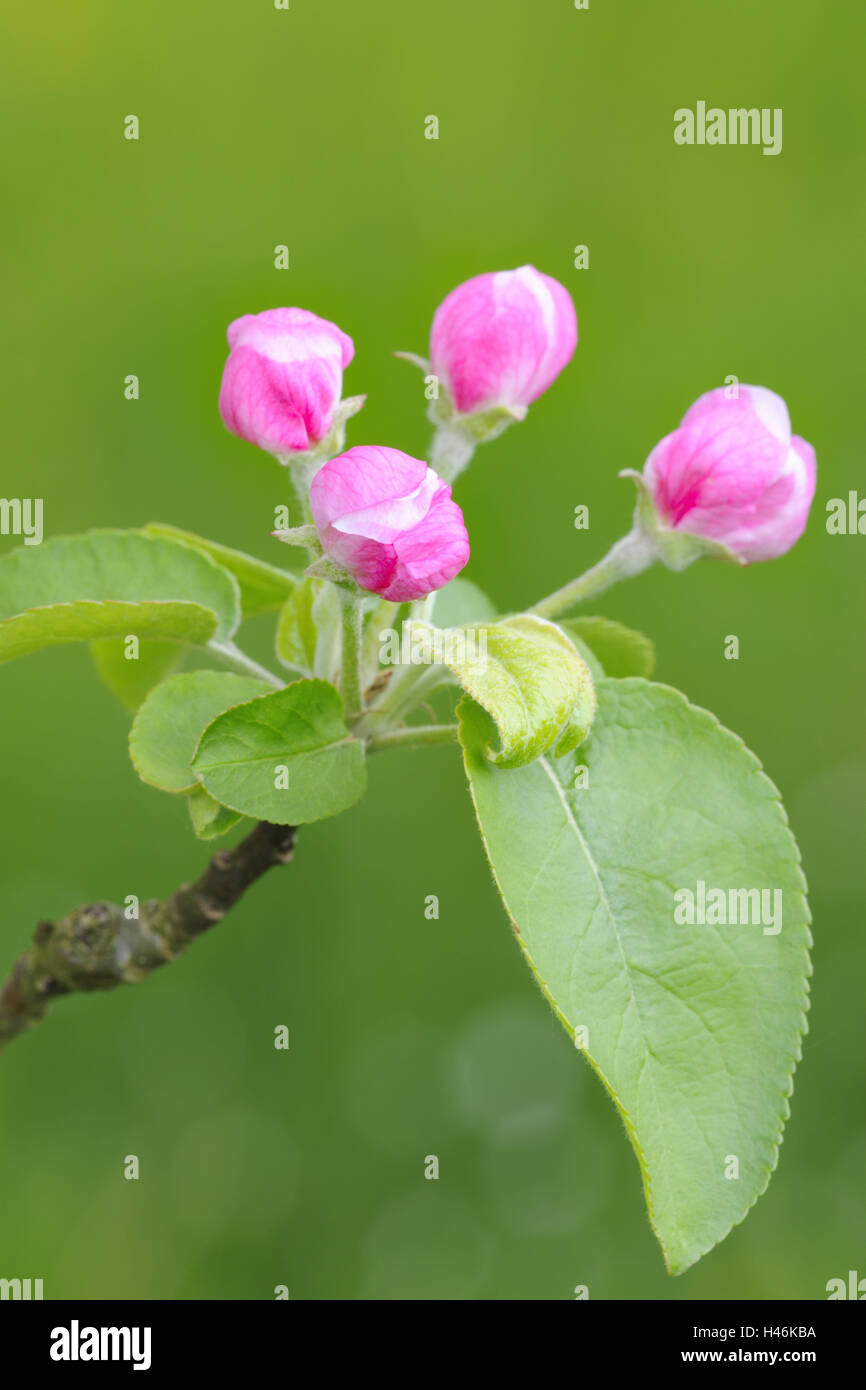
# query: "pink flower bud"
283, 378
501, 339
389, 521
733, 473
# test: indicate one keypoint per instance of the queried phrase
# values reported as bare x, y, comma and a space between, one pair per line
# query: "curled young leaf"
525, 674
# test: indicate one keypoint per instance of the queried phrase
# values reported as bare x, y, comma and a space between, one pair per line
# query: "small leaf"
596, 669
526, 674
296, 628
621, 650
462, 602
112, 584
286, 757
132, 678
694, 1029
263, 587
209, 818
167, 728
309, 628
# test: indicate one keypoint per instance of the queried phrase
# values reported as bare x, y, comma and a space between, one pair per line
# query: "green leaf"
112, 584
525, 673
694, 1030
309, 629
209, 818
596, 669
286, 758
56, 624
296, 627
621, 650
132, 678
461, 602
263, 587
167, 728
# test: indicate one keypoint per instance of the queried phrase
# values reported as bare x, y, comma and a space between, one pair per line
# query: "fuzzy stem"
98, 947
451, 450
412, 737
630, 555
421, 610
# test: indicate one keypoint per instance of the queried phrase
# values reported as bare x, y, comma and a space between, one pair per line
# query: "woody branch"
98, 947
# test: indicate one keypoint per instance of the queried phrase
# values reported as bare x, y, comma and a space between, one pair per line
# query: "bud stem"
630, 555
421, 610
451, 450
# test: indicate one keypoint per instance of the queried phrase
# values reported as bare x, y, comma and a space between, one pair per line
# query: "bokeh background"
411, 1037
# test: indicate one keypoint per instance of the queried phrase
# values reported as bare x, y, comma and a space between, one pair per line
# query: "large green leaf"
694, 1030
86, 620
621, 650
111, 584
263, 587
526, 674
286, 757
167, 728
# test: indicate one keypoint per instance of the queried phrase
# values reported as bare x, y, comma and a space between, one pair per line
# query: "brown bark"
98, 947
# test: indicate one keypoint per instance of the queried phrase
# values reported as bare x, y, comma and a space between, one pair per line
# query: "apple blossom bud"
734, 475
283, 379
500, 339
388, 521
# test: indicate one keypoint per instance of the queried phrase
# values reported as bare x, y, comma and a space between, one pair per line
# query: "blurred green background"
411, 1037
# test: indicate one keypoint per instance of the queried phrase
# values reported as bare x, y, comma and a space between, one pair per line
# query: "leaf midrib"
647, 1051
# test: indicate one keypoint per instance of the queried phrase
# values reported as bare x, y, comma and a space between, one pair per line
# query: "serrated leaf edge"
785, 1095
